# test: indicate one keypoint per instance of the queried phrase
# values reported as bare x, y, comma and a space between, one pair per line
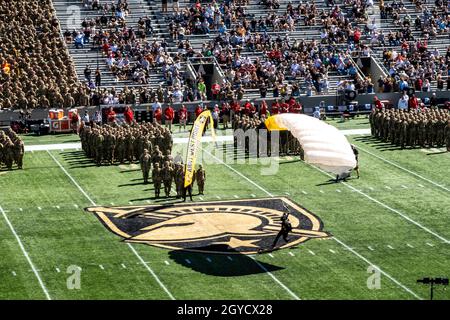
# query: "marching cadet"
120, 148
19, 151
145, 161
179, 179
157, 178
167, 176
129, 142
447, 135
110, 146
157, 156
200, 176
8, 153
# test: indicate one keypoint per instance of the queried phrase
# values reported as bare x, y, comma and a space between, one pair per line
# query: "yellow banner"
194, 141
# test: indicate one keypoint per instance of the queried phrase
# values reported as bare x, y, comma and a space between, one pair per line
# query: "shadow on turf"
220, 265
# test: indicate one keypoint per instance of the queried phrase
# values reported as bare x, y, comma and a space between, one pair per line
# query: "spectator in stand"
157, 116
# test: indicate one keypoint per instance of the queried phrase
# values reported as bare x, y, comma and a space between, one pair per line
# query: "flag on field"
194, 142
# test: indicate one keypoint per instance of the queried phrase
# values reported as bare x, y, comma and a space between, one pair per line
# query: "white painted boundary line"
129, 245
25, 253
404, 169
387, 207
336, 239
259, 264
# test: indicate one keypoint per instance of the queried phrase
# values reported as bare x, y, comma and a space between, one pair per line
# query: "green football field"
394, 219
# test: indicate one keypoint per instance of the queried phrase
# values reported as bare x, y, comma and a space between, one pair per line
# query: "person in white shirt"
156, 105
403, 102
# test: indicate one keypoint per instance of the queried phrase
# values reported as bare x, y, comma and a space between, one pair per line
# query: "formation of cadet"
11, 149
288, 144
113, 143
150, 144
426, 128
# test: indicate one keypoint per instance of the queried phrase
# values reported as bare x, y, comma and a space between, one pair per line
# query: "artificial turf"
394, 217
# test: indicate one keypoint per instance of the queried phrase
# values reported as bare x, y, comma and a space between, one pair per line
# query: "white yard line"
404, 169
150, 270
334, 237
387, 207
312, 252
25, 253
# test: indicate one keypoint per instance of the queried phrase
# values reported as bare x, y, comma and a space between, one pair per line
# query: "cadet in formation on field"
145, 164
115, 144
200, 177
426, 128
167, 175
288, 144
157, 179
11, 149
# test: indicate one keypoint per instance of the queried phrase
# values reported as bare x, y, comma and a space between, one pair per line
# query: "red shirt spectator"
215, 88
111, 115
169, 113
378, 103
198, 111
236, 107
158, 114
284, 108
275, 107
129, 115
182, 114
413, 103
263, 110
356, 35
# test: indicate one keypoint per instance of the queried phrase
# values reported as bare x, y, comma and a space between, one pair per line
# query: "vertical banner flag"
194, 141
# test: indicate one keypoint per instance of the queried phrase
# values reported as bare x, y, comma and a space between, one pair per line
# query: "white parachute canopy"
323, 145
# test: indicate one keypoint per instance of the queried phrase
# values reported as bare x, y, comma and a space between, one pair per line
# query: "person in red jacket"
263, 109
198, 111
413, 103
183, 115
378, 103
169, 115
111, 115
236, 108
284, 107
158, 115
129, 115
275, 107
215, 90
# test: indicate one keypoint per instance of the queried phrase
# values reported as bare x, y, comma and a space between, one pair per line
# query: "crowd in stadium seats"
35, 70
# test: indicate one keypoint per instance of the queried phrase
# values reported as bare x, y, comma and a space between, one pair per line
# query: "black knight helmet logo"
239, 226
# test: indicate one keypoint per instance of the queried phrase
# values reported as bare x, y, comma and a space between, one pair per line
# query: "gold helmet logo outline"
226, 227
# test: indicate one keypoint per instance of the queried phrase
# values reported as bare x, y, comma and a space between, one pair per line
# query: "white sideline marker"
230, 258
387, 187
112, 203
430, 244
130, 202
337, 190
218, 197
287, 193
57, 270
254, 196
75, 205
236, 196
58, 207
201, 198
409, 245
208, 259
370, 248
20, 209
14, 273
404, 187
148, 201
166, 262
321, 191
421, 185
39, 208
101, 267
304, 192
371, 188
188, 261
390, 247
25, 254
270, 255
123, 266
332, 251
311, 252
291, 254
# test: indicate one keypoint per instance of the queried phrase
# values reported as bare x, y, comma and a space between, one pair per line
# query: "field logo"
239, 226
